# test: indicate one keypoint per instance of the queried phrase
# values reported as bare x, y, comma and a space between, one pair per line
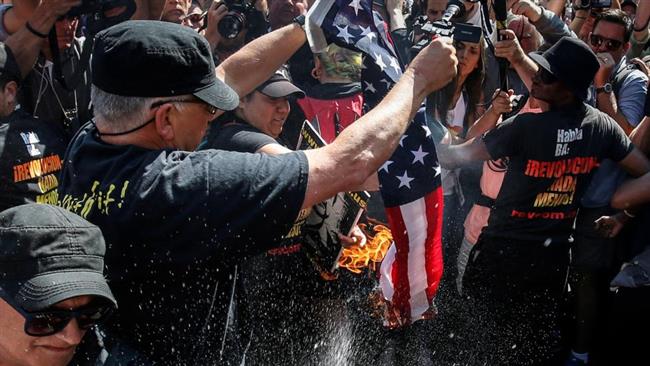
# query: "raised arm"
362, 147
26, 45
258, 60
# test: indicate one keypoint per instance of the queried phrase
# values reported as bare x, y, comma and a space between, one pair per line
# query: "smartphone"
600, 4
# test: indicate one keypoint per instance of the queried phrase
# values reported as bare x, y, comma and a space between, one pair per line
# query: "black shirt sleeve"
619, 145
237, 137
504, 139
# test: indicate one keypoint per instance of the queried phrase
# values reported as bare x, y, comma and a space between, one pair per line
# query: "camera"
237, 18
462, 32
596, 4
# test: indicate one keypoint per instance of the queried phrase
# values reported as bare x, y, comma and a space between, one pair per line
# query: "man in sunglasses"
618, 90
52, 287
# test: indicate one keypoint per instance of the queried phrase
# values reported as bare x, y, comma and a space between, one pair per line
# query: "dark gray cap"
48, 254
279, 86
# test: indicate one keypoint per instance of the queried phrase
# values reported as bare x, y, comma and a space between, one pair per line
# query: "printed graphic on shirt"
102, 200
31, 139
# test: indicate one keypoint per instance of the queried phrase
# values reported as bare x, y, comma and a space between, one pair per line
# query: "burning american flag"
409, 181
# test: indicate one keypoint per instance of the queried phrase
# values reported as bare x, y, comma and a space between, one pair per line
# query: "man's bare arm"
24, 44
256, 62
362, 147
454, 156
635, 163
632, 193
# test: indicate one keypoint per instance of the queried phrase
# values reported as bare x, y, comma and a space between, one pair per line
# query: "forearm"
578, 20
552, 27
632, 193
258, 60
25, 45
526, 68
556, 6
483, 124
640, 136
396, 20
455, 156
607, 104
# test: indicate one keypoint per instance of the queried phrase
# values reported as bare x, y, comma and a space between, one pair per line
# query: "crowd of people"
153, 202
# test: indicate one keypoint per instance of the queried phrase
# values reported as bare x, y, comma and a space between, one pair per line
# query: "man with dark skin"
521, 257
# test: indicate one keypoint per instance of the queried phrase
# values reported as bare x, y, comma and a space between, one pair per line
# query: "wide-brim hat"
145, 58
279, 86
571, 61
48, 255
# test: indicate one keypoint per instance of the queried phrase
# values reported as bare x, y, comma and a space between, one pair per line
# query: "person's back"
31, 150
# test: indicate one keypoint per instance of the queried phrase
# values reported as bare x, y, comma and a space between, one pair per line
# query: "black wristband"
34, 31
300, 20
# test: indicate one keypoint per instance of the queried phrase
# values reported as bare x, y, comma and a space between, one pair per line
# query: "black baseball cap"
48, 255
279, 86
146, 58
629, 2
8, 66
571, 61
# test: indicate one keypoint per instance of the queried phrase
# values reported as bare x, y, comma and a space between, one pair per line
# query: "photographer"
243, 22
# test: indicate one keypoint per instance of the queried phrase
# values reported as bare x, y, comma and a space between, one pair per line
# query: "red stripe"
399, 271
433, 246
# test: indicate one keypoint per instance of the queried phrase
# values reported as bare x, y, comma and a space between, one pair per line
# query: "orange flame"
357, 257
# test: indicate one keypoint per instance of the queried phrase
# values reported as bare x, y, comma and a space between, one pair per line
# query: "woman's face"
265, 113
468, 55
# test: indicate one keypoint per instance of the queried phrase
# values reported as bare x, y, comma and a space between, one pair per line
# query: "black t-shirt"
237, 136
552, 157
32, 153
175, 223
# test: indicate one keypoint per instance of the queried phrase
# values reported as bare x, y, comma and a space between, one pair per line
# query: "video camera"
596, 4
446, 28
239, 16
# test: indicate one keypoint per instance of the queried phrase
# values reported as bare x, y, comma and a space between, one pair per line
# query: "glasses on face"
211, 109
610, 44
45, 323
545, 76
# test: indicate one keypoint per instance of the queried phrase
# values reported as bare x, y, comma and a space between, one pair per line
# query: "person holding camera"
231, 25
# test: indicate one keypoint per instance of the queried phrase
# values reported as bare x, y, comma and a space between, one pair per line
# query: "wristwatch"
607, 88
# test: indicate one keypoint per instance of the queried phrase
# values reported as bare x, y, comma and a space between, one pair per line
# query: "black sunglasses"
48, 322
610, 44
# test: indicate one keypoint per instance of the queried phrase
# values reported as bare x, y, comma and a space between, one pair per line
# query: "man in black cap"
52, 287
516, 274
177, 221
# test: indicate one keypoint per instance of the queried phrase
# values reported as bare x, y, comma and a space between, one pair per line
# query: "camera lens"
231, 24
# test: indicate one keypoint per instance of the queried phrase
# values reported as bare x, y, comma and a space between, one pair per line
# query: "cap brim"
39, 293
541, 61
279, 89
219, 95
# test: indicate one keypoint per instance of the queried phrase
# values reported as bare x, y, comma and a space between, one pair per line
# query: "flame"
357, 257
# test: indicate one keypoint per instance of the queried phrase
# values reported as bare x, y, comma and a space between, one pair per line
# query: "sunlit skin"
282, 12
175, 10
190, 122
264, 113
19, 349
613, 31
65, 31
435, 8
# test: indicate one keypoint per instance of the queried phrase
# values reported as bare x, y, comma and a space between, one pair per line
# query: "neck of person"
326, 79
146, 138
